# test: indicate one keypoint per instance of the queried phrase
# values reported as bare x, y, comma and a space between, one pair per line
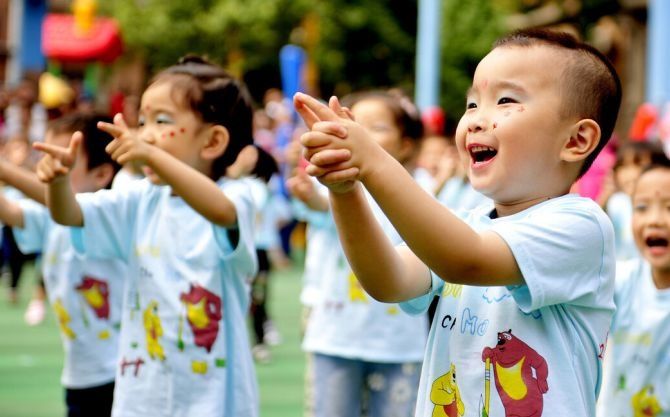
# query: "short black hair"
95, 140
216, 97
590, 84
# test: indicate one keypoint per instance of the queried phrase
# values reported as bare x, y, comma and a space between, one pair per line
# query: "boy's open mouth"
481, 153
656, 242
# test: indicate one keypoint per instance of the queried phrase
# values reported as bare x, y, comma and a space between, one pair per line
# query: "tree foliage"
469, 30
361, 43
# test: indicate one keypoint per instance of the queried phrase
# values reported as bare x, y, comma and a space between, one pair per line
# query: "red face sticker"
171, 134
495, 125
521, 109
182, 130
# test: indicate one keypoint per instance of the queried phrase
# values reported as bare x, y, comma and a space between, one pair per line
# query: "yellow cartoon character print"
63, 319
356, 291
154, 330
445, 395
645, 403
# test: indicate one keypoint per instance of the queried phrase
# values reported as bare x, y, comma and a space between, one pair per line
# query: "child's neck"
661, 278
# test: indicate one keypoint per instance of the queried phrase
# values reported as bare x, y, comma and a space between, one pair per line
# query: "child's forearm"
10, 213
445, 243
373, 259
198, 190
23, 180
317, 202
62, 203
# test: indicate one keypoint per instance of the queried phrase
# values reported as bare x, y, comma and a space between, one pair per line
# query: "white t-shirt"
543, 339
184, 347
85, 293
347, 322
637, 366
620, 210
319, 237
458, 194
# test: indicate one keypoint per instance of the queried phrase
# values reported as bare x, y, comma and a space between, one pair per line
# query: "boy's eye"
640, 208
471, 105
140, 121
506, 100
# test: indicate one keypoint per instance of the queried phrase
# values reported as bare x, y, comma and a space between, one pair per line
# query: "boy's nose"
476, 124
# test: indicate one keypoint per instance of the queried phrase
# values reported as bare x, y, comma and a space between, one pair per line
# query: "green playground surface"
31, 357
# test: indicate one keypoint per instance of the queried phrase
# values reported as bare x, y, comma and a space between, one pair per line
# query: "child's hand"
58, 160
127, 145
244, 164
301, 187
338, 149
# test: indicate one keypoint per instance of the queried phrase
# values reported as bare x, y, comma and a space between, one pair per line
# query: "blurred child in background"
85, 293
637, 367
367, 354
187, 236
617, 190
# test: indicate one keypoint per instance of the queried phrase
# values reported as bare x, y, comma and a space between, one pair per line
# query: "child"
638, 356
366, 354
615, 197
527, 288
259, 166
188, 241
85, 293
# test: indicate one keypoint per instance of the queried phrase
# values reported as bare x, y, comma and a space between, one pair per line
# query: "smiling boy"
526, 289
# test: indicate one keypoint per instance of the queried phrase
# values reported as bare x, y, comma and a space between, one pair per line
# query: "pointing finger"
322, 111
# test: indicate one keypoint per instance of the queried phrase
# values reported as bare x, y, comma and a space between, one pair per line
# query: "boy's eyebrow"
498, 85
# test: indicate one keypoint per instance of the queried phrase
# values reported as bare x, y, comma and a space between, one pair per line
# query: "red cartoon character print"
203, 313
520, 375
96, 294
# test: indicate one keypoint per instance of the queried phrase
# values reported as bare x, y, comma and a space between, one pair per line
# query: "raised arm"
446, 244
10, 213
198, 190
53, 169
23, 180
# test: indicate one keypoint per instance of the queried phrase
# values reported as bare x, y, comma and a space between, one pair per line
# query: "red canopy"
61, 42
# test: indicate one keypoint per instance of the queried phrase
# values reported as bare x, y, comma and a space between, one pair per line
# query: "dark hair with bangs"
405, 113
95, 140
218, 98
590, 84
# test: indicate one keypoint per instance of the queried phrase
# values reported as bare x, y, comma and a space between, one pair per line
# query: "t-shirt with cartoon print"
184, 348
347, 322
637, 362
85, 293
532, 349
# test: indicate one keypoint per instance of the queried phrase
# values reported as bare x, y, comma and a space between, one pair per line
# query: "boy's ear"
102, 175
584, 138
216, 143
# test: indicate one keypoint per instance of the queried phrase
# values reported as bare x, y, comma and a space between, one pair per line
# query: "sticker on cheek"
521, 109
495, 125
171, 134
182, 130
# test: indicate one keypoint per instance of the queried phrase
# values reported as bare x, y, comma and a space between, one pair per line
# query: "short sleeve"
420, 304
565, 253
241, 254
109, 220
36, 222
